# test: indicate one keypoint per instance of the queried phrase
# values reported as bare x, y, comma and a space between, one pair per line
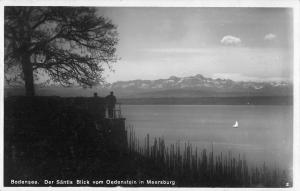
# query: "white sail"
236, 124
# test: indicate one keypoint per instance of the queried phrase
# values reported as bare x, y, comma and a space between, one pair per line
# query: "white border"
296, 131
166, 3
1, 93
155, 3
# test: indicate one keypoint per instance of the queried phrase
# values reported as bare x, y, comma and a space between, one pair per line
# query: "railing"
116, 112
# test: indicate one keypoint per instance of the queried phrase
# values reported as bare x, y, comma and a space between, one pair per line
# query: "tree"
68, 44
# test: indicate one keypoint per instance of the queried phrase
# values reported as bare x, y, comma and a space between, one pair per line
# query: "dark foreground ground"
65, 140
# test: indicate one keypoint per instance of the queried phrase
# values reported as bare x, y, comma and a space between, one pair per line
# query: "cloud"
269, 37
230, 40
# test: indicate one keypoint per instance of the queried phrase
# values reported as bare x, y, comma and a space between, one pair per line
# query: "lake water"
264, 133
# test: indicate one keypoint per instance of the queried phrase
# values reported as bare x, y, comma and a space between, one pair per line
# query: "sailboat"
236, 124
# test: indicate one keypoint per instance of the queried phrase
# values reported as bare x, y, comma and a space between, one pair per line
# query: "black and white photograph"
149, 96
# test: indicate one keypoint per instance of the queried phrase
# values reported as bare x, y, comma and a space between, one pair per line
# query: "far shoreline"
257, 100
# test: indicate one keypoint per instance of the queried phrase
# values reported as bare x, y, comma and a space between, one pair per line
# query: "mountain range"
176, 87
199, 86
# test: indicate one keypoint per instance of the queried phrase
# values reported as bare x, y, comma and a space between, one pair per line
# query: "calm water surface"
264, 132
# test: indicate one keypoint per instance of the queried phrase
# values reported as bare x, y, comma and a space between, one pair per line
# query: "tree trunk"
28, 75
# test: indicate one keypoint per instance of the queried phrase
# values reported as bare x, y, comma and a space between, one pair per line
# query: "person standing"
111, 103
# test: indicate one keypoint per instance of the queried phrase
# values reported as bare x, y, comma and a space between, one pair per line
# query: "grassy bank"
191, 166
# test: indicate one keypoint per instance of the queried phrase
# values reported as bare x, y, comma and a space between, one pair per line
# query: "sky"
236, 43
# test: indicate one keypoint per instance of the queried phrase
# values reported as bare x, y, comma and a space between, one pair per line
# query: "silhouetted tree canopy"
69, 44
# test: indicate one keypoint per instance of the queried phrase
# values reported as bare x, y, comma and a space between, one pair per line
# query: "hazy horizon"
223, 77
